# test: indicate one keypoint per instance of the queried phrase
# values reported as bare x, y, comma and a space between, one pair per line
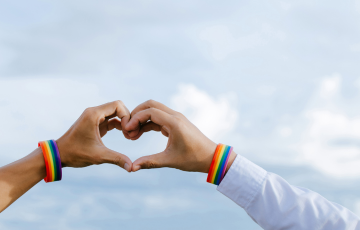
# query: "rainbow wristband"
52, 160
219, 163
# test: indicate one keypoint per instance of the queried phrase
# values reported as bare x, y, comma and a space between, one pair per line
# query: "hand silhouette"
188, 149
82, 146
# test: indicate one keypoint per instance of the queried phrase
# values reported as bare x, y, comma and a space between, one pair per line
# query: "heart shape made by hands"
187, 148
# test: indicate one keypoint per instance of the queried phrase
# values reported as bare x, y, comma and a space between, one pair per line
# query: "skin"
80, 146
188, 149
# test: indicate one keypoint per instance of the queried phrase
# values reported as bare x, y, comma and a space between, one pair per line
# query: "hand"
82, 146
188, 149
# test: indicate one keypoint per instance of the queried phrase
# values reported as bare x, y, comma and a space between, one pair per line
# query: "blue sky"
278, 80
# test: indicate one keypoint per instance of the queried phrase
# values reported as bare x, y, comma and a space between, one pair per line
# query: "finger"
152, 104
149, 126
158, 160
111, 116
113, 157
114, 124
157, 116
109, 125
113, 108
147, 105
126, 133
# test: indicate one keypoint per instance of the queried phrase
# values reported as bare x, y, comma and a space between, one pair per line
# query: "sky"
277, 80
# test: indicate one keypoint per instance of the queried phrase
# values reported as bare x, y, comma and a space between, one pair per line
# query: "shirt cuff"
243, 181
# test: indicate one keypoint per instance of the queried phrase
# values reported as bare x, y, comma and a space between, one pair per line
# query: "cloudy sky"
278, 80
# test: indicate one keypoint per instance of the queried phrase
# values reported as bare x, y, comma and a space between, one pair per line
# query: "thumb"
113, 157
158, 160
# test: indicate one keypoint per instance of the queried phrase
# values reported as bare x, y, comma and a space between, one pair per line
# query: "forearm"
20, 176
80, 146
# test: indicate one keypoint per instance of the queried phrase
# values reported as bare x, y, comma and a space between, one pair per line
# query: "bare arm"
20, 176
80, 146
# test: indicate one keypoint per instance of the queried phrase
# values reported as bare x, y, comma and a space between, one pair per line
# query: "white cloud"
331, 142
31, 109
285, 131
330, 86
215, 117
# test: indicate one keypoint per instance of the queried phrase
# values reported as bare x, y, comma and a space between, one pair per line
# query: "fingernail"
127, 167
136, 168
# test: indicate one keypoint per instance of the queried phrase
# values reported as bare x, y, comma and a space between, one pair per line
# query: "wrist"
209, 154
231, 161
62, 146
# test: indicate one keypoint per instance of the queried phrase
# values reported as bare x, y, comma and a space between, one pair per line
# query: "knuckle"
151, 102
152, 110
178, 114
119, 103
178, 122
89, 112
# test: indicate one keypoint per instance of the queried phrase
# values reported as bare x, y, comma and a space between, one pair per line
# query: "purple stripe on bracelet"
59, 161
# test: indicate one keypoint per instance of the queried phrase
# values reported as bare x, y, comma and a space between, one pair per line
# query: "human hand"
188, 149
82, 146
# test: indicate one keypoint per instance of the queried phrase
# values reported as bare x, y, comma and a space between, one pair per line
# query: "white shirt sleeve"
275, 204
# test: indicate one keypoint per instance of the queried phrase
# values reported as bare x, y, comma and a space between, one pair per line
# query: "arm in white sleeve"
275, 204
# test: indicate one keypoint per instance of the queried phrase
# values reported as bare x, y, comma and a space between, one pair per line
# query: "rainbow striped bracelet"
219, 163
52, 160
